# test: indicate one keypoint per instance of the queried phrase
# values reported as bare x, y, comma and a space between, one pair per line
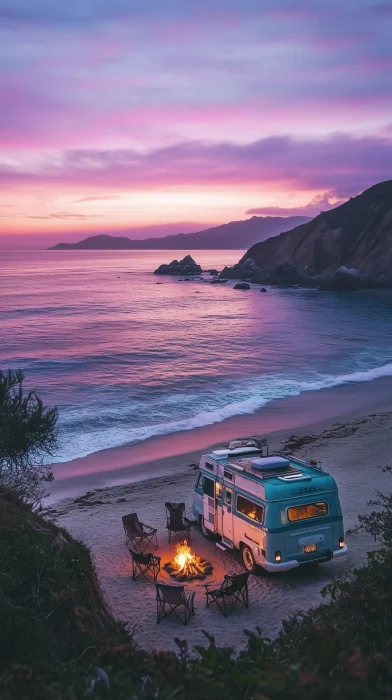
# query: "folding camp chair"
172, 600
178, 526
145, 564
234, 587
140, 536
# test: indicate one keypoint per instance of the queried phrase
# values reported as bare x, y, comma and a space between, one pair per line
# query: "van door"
227, 514
209, 503
311, 535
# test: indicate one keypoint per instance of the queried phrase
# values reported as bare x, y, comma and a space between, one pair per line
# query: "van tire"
248, 559
206, 533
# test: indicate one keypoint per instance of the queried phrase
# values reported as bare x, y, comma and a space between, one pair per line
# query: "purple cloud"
68, 215
98, 198
130, 72
339, 162
101, 98
319, 203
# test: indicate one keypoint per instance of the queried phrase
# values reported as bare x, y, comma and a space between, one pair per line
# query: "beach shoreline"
309, 412
352, 451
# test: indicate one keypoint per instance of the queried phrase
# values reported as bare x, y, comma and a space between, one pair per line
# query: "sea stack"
186, 266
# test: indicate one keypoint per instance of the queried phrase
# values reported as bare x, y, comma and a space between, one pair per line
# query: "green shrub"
51, 606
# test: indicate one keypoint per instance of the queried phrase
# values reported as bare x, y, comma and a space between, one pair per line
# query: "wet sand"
309, 412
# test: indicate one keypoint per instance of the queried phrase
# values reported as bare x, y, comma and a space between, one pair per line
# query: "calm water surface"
125, 358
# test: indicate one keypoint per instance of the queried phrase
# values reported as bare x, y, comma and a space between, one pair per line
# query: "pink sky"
154, 118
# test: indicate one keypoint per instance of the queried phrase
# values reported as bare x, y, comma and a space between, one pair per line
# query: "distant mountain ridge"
236, 234
349, 244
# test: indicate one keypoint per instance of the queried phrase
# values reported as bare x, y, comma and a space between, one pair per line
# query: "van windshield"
308, 510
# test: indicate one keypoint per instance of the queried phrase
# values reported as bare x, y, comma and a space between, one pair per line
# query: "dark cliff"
355, 239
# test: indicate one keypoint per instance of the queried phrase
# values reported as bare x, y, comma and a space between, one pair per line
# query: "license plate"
310, 548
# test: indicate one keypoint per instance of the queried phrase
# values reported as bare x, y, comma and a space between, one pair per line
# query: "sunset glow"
168, 117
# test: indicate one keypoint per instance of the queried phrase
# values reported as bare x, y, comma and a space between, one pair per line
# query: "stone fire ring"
204, 568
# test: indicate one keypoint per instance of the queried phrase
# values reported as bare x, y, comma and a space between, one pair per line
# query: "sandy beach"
352, 450
310, 412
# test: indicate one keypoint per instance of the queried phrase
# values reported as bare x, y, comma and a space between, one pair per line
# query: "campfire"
187, 566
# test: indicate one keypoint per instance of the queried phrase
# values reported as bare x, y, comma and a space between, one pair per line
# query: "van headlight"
341, 542
278, 556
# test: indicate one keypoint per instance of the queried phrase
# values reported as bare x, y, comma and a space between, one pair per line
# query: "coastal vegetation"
59, 640
28, 437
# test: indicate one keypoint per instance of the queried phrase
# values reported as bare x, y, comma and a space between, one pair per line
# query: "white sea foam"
252, 395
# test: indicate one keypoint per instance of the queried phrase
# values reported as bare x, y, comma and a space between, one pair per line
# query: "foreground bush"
58, 640
28, 438
51, 606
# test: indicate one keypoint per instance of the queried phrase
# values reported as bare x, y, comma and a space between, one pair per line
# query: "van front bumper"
293, 563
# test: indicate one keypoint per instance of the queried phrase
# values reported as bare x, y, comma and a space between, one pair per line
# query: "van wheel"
206, 533
248, 559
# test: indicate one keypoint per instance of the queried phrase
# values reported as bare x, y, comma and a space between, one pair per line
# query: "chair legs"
153, 567
166, 609
239, 596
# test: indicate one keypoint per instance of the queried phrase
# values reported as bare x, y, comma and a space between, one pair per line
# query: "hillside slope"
236, 234
51, 605
58, 640
357, 234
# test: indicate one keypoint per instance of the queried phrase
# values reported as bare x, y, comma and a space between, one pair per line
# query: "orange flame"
184, 556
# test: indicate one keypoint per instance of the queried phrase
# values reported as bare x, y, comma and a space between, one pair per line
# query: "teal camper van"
280, 512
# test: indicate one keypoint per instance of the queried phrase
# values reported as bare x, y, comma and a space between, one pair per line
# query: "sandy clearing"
351, 452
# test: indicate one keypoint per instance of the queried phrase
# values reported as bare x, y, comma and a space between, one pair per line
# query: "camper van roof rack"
283, 473
267, 467
237, 451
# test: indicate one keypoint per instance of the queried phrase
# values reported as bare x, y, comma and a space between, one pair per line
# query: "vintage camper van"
278, 511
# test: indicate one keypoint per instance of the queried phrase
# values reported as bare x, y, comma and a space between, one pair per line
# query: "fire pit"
187, 566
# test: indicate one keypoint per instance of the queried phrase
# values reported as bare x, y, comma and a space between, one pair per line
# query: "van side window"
208, 486
309, 510
228, 497
250, 509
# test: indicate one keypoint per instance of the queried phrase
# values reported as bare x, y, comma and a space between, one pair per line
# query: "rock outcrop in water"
345, 248
186, 266
241, 285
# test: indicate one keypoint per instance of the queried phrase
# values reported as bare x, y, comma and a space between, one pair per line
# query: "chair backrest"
131, 524
173, 595
235, 583
175, 512
140, 558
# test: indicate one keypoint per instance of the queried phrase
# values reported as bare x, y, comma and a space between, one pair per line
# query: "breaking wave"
112, 428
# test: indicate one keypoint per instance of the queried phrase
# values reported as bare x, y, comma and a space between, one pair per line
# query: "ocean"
125, 358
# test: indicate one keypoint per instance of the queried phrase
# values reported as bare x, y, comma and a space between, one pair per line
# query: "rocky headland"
346, 248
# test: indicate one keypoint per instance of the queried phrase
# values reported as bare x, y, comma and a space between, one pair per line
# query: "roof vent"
265, 463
